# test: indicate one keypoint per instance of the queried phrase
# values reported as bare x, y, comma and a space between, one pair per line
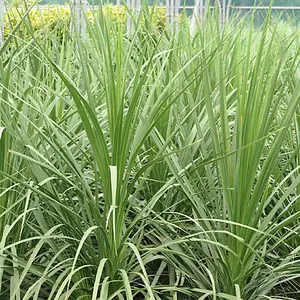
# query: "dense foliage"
45, 20
190, 2
152, 165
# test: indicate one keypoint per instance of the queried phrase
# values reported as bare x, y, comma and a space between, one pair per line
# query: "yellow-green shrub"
40, 18
118, 14
51, 17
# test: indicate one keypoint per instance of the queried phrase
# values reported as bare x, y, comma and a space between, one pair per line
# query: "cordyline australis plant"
151, 166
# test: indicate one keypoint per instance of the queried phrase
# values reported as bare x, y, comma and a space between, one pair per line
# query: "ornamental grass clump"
150, 166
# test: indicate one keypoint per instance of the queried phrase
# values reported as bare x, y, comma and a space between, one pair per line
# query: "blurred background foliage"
191, 2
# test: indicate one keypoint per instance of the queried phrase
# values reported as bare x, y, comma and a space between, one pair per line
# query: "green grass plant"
151, 165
